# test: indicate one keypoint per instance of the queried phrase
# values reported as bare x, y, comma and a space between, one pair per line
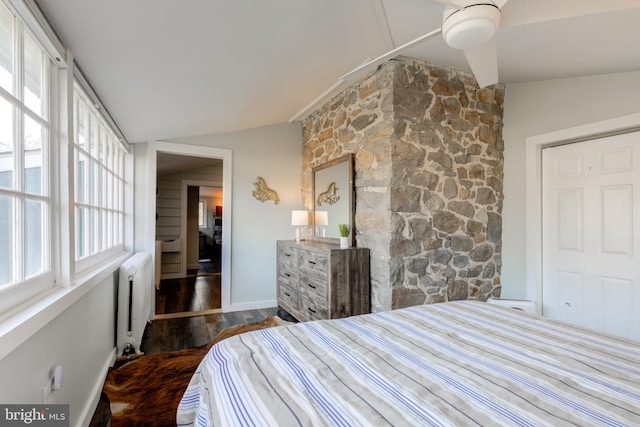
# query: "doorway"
196, 290
192, 296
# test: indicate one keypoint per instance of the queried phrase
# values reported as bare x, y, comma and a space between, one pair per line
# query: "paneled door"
591, 234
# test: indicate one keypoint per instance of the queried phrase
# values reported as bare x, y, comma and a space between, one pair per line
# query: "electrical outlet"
47, 393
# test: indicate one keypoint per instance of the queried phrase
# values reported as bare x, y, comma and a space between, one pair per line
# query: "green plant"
344, 230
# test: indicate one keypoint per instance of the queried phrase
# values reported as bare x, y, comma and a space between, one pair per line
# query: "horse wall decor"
330, 196
264, 193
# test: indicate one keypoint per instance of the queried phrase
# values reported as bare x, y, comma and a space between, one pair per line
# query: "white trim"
153, 147
30, 13
88, 263
102, 111
62, 136
92, 403
25, 320
254, 305
533, 160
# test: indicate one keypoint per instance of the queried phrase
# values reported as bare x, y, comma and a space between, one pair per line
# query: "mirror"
333, 199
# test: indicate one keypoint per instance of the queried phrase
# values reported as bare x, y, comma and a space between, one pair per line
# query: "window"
99, 184
25, 162
202, 213
40, 235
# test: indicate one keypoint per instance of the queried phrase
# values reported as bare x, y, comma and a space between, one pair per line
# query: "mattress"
450, 364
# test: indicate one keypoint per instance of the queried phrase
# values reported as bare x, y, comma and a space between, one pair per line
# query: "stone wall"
429, 167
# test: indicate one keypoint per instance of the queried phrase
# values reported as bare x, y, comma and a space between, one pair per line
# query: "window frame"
202, 209
24, 312
24, 287
105, 157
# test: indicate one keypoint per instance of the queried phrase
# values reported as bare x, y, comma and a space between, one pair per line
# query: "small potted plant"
344, 235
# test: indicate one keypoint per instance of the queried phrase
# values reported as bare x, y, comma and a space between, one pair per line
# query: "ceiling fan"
468, 25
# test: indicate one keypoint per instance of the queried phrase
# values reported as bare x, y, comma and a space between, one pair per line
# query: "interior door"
591, 234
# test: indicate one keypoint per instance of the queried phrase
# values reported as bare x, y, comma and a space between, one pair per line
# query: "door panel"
591, 234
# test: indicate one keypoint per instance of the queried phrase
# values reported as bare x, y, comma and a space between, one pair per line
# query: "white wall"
81, 340
273, 152
539, 107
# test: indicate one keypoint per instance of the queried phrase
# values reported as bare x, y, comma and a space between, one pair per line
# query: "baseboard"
92, 403
255, 305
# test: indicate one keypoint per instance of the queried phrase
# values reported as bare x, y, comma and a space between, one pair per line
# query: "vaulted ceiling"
166, 68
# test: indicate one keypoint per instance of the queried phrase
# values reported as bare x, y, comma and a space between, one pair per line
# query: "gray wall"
272, 152
81, 340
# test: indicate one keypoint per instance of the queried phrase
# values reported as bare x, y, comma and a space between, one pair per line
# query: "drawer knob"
287, 254
311, 310
311, 286
312, 262
287, 294
287, 274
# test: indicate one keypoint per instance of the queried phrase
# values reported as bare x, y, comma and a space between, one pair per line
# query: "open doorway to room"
189, 234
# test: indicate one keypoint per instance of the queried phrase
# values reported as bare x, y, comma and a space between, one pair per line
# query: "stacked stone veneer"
428, 174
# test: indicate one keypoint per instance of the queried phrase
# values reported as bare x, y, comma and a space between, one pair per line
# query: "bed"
450, 364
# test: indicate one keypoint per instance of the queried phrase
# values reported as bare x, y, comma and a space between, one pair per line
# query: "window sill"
20, 324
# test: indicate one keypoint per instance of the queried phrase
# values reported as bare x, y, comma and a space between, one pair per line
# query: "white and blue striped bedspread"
452, 364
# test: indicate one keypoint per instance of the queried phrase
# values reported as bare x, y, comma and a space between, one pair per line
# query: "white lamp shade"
322, 218
299, 218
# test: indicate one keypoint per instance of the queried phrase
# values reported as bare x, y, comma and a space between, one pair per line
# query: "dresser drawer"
288, 276
313, 261
313, 285
312, 308
288, 296
287, 257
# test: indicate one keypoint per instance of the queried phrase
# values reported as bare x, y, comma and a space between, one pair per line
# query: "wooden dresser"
319, 280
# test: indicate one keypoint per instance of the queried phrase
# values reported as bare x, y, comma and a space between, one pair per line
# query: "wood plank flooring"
176, 334
193, 293
199, 291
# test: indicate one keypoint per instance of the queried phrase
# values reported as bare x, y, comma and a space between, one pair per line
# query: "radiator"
134, 308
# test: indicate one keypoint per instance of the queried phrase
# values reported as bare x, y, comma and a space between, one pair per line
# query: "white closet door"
591, 234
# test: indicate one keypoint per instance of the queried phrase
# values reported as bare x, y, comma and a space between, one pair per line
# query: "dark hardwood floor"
199, 291
193, 293
187, 332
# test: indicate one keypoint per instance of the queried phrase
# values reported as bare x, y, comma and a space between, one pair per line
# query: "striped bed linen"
461, 363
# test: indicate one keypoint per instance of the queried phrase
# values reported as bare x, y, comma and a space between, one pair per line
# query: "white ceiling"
167, 69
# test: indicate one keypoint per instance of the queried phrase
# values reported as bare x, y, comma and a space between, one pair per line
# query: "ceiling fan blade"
500, 3
483, 61
461, 4
391, 54
453, 3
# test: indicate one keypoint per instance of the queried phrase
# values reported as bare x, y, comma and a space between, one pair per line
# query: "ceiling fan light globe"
471, 27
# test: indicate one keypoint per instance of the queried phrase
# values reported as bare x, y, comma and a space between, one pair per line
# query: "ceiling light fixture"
470, 27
